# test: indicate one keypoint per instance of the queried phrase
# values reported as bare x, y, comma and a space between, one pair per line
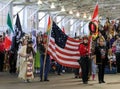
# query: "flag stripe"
66, 56
63, 62
65, 51
74, 40
63, 54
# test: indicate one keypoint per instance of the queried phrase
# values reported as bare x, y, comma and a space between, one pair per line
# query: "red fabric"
7, 43
95, 13
2, 48
83, 50
113, 49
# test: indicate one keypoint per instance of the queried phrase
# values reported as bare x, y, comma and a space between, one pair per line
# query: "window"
31, 21
41, 20
58, 21
16, 9
3, 18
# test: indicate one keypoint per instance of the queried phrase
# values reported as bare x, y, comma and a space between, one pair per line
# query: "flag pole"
19, 11
46, 46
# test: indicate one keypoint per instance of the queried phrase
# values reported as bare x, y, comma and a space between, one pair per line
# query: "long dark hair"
29, 50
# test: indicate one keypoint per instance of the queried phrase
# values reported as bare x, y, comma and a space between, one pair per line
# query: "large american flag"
63, 49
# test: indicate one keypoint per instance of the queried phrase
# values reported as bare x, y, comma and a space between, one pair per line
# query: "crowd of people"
105, 50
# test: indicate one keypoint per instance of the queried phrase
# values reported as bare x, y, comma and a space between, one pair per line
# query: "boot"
93, 76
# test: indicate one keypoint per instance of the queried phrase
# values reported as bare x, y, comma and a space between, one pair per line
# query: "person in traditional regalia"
26, 54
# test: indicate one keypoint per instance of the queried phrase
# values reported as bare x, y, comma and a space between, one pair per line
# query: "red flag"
95, 21
64, 49
95, 13
7, 43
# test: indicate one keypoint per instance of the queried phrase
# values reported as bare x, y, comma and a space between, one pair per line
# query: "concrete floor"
65, 81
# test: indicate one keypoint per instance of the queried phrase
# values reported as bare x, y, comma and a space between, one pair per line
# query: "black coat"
41, 48
98, 54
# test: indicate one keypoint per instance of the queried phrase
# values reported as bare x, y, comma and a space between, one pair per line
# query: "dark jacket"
99, 52
41, 48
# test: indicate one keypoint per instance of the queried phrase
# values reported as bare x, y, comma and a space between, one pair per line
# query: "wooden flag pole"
46, 46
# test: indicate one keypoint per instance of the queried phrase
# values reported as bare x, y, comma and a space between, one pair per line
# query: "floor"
65, 81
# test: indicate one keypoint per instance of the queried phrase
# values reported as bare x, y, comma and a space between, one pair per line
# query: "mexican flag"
8, 39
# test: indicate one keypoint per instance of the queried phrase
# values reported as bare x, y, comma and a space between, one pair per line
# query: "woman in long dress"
26, 53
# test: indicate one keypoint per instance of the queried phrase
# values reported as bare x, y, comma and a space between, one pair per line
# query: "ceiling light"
39, 2
70, 12
90, 17
62, 8
77, 14
84, 15
52, 5
113, 8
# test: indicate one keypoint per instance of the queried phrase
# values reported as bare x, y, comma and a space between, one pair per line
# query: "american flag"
63, 49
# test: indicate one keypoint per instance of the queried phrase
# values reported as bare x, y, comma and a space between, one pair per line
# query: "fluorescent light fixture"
84, 15
52, 6
77, 14
62, 8
39, 2
70, 12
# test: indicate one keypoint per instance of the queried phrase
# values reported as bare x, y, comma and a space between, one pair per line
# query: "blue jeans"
47, 66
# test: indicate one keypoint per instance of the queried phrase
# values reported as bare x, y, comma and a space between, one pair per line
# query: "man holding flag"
44, 56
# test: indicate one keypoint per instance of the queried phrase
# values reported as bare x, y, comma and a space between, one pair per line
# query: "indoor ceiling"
107, 8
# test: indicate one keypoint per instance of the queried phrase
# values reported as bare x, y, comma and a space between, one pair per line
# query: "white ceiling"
107, 8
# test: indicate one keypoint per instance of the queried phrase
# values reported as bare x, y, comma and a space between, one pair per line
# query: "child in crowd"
112, 58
